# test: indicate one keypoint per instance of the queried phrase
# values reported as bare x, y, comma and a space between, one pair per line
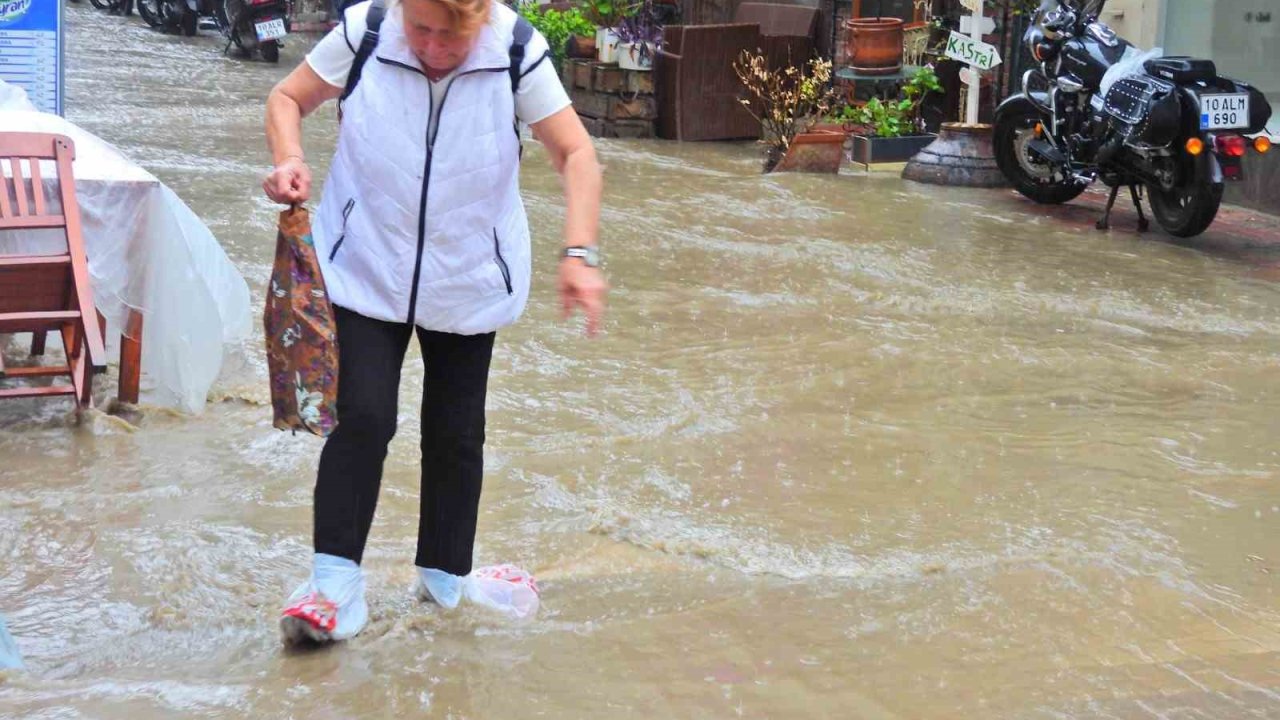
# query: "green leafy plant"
845, 115
606, 13
899, 117
557, 27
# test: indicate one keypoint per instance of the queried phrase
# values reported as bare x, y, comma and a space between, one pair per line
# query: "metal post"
975, 32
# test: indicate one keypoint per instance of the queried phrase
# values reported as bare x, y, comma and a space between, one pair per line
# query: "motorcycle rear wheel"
1188, 209
270, 51
1029, 174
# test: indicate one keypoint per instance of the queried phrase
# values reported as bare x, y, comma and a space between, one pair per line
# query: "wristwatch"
589, 254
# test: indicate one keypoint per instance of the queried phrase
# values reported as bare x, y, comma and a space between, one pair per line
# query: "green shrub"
557, 26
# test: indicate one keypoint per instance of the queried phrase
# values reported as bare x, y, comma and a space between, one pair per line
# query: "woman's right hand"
289, 183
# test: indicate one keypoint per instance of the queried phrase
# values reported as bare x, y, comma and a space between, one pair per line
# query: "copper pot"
873, 46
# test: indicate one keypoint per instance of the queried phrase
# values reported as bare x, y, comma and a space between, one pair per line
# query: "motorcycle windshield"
1045, 7
1092, 7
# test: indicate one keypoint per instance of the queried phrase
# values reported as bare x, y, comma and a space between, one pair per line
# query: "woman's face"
432, 36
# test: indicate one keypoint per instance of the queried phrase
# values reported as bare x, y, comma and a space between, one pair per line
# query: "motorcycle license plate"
270, 29
1224, 112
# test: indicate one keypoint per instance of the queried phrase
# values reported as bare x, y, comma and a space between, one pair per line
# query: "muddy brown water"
850, 448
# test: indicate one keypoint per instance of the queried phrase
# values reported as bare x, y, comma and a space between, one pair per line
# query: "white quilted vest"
421, 230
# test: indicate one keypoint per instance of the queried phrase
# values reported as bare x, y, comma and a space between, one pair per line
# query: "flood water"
849, 448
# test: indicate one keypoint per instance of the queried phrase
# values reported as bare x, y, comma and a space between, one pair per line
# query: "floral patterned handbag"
302, 337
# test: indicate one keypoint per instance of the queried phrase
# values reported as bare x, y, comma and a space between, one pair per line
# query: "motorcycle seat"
1182, 69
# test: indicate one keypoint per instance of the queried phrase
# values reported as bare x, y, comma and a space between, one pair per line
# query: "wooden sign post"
979, 55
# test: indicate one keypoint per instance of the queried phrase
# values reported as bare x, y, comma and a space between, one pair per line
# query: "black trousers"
457, 372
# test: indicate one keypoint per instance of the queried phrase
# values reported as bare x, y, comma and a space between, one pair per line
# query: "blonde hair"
468, 16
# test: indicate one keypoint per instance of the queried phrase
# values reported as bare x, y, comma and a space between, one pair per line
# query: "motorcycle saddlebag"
1147, 107
1182, 70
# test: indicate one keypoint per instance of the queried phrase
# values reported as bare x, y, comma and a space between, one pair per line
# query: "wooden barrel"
873, 46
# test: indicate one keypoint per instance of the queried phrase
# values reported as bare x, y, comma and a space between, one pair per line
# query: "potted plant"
605, 15
894, 130
559, 27
873, 45
787, 102
843, 118
639, 36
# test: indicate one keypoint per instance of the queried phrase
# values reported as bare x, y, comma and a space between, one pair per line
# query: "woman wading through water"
421, 230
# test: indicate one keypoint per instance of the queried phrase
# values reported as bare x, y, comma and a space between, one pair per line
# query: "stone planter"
814, 152
962, 155
873, 46
636, 56
606, 45
870, 150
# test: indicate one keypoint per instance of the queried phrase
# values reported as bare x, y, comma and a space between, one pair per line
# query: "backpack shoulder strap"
520, 39
377, 11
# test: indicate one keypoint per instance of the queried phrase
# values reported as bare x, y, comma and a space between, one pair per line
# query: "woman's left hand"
582, 287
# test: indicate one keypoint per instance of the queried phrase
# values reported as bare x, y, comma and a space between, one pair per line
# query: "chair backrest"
774, 19
702, 102
673, 38
915, 41
24, 205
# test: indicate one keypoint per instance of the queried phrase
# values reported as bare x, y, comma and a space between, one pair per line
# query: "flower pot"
869, 150
635, 56
829, 127
813, 152
962, 155
606, 45
581, 47
873, 46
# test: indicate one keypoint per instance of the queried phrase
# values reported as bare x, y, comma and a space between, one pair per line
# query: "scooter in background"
255, 25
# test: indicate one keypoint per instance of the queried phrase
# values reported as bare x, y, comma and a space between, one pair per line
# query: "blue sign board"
31, 50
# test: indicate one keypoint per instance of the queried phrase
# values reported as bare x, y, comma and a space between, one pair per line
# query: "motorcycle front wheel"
1029, 173
150, 12
189, 22
1188, 208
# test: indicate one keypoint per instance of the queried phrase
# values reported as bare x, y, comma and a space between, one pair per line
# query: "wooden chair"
696, 88
43, 293
787, 32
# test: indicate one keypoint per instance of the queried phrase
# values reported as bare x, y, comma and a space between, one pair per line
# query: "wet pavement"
850, 447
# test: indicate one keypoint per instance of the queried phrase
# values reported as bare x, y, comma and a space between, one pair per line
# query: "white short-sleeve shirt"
539, 96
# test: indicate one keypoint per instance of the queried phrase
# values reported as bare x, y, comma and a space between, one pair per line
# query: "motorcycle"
1171, 126
114, 7
255, 25
171, 15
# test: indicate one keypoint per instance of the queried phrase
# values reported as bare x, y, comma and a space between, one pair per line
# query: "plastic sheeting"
504, 588
147, 252
342, 582
10, 658
1130, 64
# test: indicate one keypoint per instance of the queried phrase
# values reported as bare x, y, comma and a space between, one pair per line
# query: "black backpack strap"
519, 40
377, 11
